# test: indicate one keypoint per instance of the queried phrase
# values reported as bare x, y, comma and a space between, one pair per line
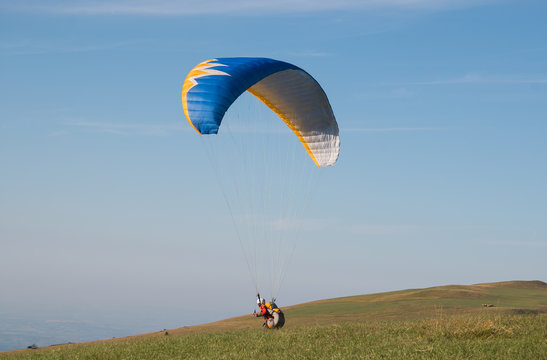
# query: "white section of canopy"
301, 102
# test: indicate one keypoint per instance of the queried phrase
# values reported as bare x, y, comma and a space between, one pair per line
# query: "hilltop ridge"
508, 297
523, 284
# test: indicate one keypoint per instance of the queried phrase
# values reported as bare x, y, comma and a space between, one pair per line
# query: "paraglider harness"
263, 309
273, 316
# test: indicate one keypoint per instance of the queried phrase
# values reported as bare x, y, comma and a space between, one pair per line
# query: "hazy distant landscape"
55, 326
506, 320
20, 332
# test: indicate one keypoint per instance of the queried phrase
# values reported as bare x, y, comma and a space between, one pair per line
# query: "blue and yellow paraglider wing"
294, 95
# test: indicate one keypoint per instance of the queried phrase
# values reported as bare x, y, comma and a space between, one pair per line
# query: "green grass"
485, 336
438, 323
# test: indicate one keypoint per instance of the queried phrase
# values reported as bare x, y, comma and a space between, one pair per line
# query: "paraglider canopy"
265, 177
293, 94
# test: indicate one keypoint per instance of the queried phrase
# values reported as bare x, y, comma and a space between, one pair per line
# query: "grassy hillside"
439, 322
507, 297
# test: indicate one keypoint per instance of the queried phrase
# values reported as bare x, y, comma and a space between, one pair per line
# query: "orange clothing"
264, 312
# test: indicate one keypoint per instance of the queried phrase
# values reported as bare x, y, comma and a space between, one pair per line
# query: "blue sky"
441, 177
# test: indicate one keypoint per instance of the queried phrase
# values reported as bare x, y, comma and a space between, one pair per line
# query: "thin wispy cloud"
376, 229
58, 133
303, 224
515, 243
390, 129
383, 92
310, 53
236, 7
292, 224
369, 229
129, 129
32, 48
472, 78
